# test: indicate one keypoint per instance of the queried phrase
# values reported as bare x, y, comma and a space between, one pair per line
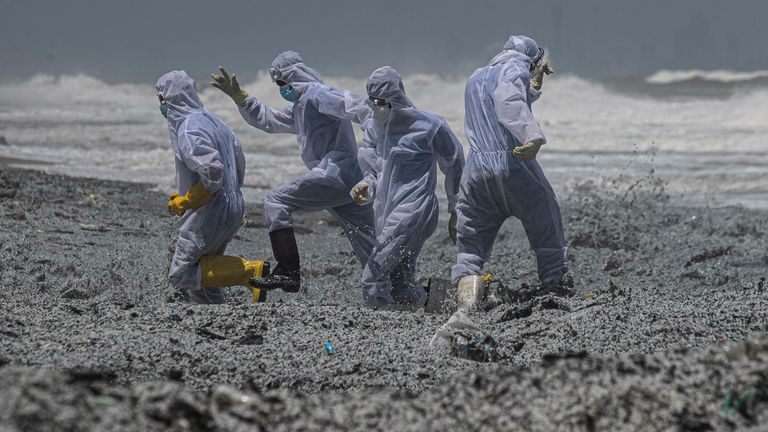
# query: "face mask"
380, 108
381, 114
163, 105
288, 93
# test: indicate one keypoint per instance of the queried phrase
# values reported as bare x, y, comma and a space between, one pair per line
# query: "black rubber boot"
286, 275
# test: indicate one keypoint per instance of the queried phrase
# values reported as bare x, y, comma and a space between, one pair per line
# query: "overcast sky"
138, 40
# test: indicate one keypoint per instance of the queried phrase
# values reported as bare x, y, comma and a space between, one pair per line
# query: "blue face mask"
164, 110
288, 93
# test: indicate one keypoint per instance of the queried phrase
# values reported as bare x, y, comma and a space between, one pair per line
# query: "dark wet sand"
87, 339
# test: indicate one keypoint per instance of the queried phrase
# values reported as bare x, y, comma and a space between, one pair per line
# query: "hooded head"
385, 83
178, 90
523, 45
519, 48
289, 67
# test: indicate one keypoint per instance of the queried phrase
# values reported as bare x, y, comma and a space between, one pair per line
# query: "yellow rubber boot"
222, 271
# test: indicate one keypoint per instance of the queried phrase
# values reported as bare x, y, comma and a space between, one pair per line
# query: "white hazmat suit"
400, 158
328, 149
496, 184
205, 151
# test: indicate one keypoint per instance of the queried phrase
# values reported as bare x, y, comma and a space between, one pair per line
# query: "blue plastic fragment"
329, 348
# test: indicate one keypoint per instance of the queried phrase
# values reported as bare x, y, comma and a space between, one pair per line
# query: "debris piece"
461, 337
614, 289
226, 396
563, 355
742, 402
481, 348
174, 316
94, 228
175, 374
516, 312
104, 400
251, 339
329, 348
709, 254
209, 334
695, 274
88, 374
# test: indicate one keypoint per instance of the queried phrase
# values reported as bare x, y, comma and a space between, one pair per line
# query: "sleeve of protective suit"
510, 100
345, 105
450, 159
239, 162
201, 156
266, 118
369, 162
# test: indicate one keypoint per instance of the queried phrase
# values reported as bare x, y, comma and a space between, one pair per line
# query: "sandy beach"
92, 337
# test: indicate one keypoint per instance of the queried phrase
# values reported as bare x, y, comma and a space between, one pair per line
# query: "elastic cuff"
240, 98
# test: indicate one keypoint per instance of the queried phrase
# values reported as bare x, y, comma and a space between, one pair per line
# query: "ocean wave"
664, 77
81, 124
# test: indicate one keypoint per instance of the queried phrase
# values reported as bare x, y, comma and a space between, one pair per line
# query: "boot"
222, 271
469, 292
286, 275
218, 271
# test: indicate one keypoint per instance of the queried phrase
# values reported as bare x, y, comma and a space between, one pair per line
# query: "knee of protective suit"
183, 278
277, 216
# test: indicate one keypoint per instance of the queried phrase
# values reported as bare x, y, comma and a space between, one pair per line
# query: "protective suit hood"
291, 68
522, 44
178, 90
385, 83
519, 47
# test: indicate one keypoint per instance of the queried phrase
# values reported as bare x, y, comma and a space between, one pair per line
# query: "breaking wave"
715, 76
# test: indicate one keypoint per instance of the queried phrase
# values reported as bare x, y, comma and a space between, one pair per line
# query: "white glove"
359, 193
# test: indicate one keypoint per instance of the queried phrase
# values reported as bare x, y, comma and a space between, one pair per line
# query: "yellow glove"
528, 151
359, 193
195, 198
452, 227
229, 85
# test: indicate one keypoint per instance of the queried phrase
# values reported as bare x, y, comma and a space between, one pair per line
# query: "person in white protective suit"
403, 146
502, 177
209, 172
328, 149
